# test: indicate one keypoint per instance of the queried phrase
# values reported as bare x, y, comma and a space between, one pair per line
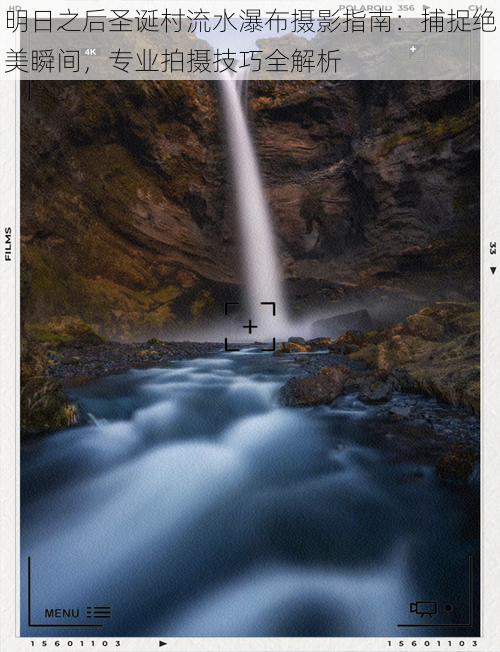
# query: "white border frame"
9, 415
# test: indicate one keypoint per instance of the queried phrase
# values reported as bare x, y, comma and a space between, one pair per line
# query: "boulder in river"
455, 466
379, 392
323, 388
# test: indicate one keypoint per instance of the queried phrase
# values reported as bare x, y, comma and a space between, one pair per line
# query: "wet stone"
456, 465
402, 412
320, 389
379, 392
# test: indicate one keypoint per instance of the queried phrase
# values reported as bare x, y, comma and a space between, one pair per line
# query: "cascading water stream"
260, 259
196, 505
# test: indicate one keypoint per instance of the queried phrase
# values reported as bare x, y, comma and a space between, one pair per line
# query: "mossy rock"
371, 337
368, 354
446, 311
294, 347
454, 383
318, 343
467, 323
44, 407
425, 327
321, 389
393, 141
65, 331
351, 338
455, 466
466, 376
439, 347
400, 350
153, 341
203, 304
449, 126
378, 392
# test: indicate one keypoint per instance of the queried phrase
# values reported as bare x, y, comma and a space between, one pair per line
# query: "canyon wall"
128, 216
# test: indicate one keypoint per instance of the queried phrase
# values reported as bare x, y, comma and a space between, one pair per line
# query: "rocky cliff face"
127, 214
375, 190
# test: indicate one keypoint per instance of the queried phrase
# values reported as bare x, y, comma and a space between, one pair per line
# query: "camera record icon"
423, 608
416, 52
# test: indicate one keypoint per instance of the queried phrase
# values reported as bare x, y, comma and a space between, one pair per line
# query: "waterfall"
260, 260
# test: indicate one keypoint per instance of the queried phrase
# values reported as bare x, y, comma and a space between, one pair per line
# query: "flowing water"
260, 260
194, 504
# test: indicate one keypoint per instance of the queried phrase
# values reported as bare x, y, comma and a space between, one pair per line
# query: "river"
193, 504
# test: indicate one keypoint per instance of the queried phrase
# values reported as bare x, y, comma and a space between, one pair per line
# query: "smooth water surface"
194, 505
